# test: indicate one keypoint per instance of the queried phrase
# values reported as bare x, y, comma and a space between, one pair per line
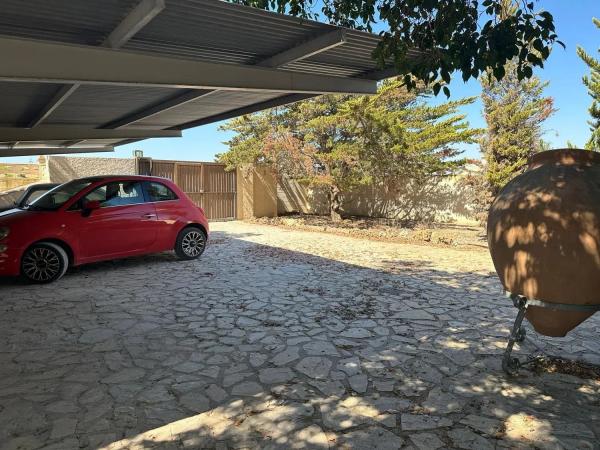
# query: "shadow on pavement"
264, 347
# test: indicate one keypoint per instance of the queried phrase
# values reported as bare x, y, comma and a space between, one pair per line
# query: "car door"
125, 223
169, 211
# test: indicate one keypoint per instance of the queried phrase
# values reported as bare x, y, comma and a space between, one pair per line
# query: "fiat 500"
96, 219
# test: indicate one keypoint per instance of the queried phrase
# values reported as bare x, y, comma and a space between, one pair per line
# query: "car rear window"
158, 192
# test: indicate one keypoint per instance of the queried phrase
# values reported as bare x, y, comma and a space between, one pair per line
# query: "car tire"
190, 243
44, 262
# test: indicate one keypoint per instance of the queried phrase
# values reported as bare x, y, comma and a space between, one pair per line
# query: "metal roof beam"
137, 18
314, 46
61, 95
60, 150
36, 61
283, 100
307, 49
61, 133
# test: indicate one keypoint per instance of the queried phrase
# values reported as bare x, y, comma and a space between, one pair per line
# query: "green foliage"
470, 37
514, 111
397, 135
346, 141
246, 146
571, 145
592, 82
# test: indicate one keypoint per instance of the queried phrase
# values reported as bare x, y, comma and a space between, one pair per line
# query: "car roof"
39, 185
97, 178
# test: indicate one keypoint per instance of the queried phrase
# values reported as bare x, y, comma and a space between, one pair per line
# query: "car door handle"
149, 216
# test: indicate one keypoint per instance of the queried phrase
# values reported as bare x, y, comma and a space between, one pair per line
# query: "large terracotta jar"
544, 236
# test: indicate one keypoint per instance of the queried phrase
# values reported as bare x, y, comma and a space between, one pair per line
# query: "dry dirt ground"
466, 236
283, 339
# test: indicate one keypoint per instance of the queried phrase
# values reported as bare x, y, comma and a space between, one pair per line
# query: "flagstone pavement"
284, 339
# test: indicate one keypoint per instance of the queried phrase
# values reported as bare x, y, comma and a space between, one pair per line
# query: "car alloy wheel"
193, 243
44, 263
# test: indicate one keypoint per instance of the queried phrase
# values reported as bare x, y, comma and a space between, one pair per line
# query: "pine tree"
592, 82
514, 111
342, 142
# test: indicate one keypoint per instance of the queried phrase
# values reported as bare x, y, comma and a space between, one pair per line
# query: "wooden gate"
207, 184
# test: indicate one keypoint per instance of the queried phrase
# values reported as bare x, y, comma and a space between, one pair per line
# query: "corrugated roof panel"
214, 30
216, 103
99, 105
20, 102
320, 68
211, 30
208, 30
216, 55
85, 22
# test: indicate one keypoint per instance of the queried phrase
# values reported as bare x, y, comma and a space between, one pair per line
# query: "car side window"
118, 193
158, 192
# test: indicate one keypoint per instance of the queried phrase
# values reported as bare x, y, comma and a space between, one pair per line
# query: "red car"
99, 218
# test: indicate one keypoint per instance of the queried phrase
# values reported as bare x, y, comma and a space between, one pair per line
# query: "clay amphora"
544, 236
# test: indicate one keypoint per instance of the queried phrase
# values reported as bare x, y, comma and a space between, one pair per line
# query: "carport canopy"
87, 76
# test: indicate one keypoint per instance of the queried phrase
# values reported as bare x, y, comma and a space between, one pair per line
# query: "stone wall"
438, 200
60, 169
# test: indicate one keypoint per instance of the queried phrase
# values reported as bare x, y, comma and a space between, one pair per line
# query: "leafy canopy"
592, 82
465, 36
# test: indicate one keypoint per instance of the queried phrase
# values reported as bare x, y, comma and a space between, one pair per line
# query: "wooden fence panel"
189, 178
208, 185
144, 166
165, 169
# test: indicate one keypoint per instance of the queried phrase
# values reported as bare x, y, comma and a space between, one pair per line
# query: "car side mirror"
90, 206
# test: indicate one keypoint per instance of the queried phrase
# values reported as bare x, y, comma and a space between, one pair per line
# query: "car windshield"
32, 194
57, 197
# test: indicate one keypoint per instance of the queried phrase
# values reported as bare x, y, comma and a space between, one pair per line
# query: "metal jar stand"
512, 365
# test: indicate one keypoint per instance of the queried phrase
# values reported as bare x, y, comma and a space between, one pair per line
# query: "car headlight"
4, 231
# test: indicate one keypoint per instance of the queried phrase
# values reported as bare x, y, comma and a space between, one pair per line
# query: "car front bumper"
9, 260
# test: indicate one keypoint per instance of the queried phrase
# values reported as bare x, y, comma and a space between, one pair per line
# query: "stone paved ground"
282, 339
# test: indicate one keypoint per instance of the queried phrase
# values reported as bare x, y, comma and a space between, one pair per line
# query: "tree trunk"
335, 204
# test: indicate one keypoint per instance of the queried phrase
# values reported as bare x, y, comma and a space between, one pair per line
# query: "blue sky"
563, 70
